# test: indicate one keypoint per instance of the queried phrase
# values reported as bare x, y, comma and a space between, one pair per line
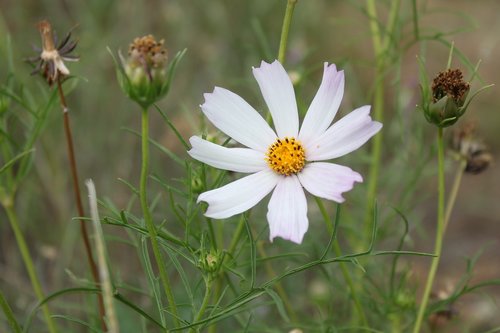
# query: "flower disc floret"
286, 156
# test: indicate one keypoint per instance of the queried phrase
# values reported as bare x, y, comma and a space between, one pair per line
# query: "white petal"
324, 105
240, 195
61, 66
279, 95
346, 135
232, 159
328, 180
287, 211
234, 116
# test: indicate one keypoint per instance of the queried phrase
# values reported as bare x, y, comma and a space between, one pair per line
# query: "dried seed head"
442, 317
445, 103
50, 62
472, 149
47, 37
450, 83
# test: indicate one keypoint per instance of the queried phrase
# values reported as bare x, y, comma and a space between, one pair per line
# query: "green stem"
290, 6
232, 247
153, 234
28, 262
378, 104
454, 191
381, 48
439, 235
285, 29
343, 267
415, 21
9, 314
237, 235
204, 303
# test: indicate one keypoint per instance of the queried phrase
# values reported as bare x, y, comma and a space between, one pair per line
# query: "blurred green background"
224, 38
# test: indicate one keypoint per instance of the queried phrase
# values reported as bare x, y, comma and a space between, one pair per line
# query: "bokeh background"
224, 38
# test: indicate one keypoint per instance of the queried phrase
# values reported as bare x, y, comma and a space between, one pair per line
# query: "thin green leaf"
78, 321
171, 125
162, 148
152, 279
279, 304
129, 185
253, 254
137, 309
14, 325
7, 165
53, 296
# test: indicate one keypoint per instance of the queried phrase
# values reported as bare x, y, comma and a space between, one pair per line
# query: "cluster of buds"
472, 150
143, 74
50, 60
446, 102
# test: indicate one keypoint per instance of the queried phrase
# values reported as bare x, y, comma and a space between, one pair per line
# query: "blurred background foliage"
224, 39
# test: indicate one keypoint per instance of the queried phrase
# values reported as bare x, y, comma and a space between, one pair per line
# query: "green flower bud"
448, 99
143, 74
405, 299
210, 262
197, 184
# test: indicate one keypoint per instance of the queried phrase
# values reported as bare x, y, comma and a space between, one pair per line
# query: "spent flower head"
447, 98
470, 148
286, 160
143, 73
50, 62
445, 102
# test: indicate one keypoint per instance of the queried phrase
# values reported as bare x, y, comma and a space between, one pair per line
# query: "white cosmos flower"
286, 160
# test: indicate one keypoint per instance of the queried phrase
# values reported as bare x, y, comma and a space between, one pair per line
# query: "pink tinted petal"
279, 95
324, 105
232, 159
287, 211
240, 195
328, 180
234, 116
346, 135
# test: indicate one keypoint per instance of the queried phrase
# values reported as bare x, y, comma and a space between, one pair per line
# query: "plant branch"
78, 199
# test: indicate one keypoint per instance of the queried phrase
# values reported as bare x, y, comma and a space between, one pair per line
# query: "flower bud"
449, 93
143, 76
210, 262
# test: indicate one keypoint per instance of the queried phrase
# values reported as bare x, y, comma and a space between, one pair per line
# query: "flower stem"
381, 48
454, 191
343, 267
148, 219
237, 235
290, 6
28, 263
439, 235
78, 199
378, 104
285, 29
204, 303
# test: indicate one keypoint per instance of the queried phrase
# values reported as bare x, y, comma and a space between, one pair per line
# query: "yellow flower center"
286, 156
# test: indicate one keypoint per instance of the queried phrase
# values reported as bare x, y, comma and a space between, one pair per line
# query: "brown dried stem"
78, 199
